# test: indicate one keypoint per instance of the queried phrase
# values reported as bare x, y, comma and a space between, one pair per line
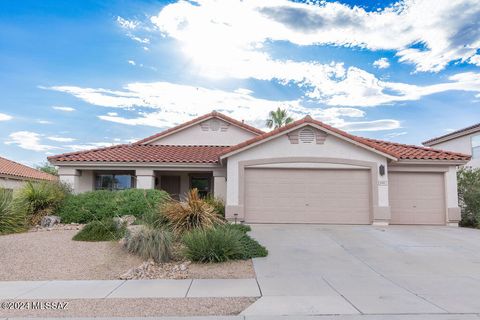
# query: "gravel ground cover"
53, 255
140, 308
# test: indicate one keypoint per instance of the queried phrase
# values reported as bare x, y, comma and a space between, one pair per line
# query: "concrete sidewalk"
98, 289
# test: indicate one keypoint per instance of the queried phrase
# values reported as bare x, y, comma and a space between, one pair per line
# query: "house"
13, 175
304, 172
466, 141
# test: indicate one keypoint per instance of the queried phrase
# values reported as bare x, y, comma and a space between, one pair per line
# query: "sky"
84, 74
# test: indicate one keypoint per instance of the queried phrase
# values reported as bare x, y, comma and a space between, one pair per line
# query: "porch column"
381, 207
71, 177
220, 184
453, 211
145, 178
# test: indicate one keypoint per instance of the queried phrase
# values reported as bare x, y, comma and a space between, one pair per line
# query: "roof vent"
306, 136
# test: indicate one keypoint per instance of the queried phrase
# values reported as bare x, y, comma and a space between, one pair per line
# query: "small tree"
47, 168
469, 196
278, 118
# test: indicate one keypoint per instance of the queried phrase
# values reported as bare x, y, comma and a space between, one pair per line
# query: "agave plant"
11, 221
190, 214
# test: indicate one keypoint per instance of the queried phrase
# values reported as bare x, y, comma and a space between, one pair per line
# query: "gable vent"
306, 136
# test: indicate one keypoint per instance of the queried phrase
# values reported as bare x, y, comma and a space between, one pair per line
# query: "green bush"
105, 230
217, 204
469, 196
217, 244
150, 243
101, 204
241, 227
251, 248
38, 199
11, 221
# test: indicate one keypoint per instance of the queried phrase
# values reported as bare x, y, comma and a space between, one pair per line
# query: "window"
113, 181
202, 184
476, 147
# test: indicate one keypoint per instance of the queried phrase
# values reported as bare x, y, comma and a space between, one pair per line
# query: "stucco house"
466, 141
13, 175
304, 172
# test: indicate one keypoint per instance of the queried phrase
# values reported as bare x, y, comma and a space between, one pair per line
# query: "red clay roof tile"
145, 153
17, 170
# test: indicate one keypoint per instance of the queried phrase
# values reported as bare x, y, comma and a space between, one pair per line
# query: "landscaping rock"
49, 221
151, 270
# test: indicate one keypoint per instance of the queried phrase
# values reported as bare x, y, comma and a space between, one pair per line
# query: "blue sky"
86, 74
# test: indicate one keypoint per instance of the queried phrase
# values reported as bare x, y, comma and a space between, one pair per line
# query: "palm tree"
278, 118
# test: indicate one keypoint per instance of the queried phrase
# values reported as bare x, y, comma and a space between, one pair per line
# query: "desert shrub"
38, 199
104, 230
217, 244
150, 243
11, 221
469, 196
193, 213
217, 204
101, 204
251, 247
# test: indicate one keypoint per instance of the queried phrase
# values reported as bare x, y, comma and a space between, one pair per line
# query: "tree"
278, 118
469, 196
47, 168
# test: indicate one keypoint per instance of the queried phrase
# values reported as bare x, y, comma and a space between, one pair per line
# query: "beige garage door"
417, 198
307, 196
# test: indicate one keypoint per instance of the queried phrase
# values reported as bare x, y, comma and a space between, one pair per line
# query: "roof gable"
169, 132
393, 151
453, 135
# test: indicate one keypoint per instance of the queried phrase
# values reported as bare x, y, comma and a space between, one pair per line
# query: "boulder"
49, 221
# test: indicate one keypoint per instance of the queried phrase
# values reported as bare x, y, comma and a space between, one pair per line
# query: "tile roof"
396, 150
139, 152
196, 120
145, 153
17, 170
454, 134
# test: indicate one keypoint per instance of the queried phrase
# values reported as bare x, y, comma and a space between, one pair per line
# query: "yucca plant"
38, 199
193, 213
150, 243
11, 221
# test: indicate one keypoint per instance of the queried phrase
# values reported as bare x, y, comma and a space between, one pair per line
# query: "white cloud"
381, 63
61, 139
66, 109
28, 140
425, 33
5, 117
132, 62
396, 134
44, 121
376, 125
127, 24
92, 145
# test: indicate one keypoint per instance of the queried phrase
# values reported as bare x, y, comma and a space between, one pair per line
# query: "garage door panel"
417, 198
307, 196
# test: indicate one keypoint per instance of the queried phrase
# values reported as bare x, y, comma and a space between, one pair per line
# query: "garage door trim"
372, 166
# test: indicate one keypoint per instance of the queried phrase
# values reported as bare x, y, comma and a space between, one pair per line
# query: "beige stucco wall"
195, 135
281, 147
11, 183
462, 145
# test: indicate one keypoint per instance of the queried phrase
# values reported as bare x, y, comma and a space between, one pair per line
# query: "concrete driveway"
318, 270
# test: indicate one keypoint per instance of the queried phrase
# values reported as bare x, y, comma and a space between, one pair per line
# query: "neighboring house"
466, 141
304, 172
13, 174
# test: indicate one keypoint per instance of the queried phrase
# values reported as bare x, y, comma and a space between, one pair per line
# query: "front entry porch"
176, 181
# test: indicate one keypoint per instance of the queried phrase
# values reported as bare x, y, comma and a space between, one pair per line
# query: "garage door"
307, 196
417, 198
